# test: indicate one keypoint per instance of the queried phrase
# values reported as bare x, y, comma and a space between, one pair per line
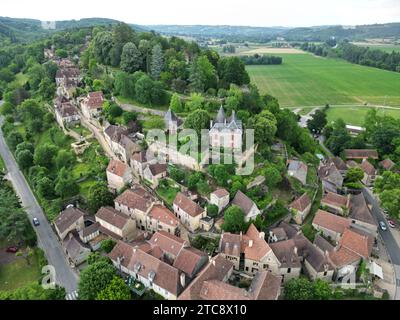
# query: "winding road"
47, 240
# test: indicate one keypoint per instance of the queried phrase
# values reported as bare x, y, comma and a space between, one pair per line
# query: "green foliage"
13, 139
354, 175
157, 62
115, 290
176, 103
303, 289
107, 245
197, 120
176, 174
94, 279
131, 59
64, 159
265, 126
24, 159
34, 291
212, 210
65, 184
44, 155
273, 177
317, 122
234, 220
99, 196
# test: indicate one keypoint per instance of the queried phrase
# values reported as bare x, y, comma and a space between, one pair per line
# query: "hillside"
317, 33
13, 30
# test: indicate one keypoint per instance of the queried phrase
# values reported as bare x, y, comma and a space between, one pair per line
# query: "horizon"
253, 13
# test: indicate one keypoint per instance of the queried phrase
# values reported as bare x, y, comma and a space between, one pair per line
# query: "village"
153, 236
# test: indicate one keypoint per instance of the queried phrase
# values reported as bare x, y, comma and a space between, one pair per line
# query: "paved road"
47, 239
387, 236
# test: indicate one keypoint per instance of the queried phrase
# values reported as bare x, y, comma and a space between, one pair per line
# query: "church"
226, 132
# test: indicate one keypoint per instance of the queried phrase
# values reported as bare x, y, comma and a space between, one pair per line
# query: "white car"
382, 225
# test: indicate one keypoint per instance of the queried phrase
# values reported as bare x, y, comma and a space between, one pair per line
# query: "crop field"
307, 80
387, 47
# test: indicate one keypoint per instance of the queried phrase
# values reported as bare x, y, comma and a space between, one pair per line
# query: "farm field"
379, 46
307, 80
356, 115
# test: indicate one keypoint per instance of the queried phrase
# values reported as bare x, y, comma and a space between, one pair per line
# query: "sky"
267, 13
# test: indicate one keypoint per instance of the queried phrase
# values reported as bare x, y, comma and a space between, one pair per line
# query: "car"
36, 222
12, 249
391, 224
382, 225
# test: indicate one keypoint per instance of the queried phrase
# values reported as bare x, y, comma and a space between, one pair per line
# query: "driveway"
47, 239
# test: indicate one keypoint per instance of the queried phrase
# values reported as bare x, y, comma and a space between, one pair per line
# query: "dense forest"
356, 54
257, 59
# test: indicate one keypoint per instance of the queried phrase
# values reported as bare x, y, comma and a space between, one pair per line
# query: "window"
325, 273
288, 270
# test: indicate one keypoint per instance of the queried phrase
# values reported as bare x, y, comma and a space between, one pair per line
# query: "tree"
34, 291
107, 245
317, 122
46, 88
390, 200
322, 290
145, 50
25, 159
102, 45
196, 102
94, 279
27, 254
122, 33
64, 159
264, 125
157, 62
99, 196
197, 120
339, 138
131, 59
13, 139
272, 177
220, 173
234, 220
45, 187
354, 175
115, 290
96, 257
232, 70
128, 117
202, 75
144, 88
177, 174
124, 85
212, 210
65, 184
44, 155
176, 103
298, 289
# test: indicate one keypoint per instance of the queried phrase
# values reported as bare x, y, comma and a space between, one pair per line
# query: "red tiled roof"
387, 164
368, 168
331, 221
361, 154
360, 244
67, 218
163, 215
301, 203
95, 100
135, 199
259, 247
189, 259
221, 193
117, 167
168, 242
112, 216
335, 199
187, 205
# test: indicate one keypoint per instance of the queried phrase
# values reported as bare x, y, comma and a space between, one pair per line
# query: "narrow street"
133, 108
47, 240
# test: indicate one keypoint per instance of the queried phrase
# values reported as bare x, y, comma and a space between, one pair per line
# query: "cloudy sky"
215, 12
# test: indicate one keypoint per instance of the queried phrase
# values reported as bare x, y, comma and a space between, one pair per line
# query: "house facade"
116, 223
118, 175
188, 212
92, 105
220, 198
301, 208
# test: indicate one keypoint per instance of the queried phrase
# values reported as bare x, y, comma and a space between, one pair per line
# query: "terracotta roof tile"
361, 154
335, 200
67, 218
137, 198
331, 221
162, 214
220, 193
187, 205
243, 201
301, 203
117, 167
112, 216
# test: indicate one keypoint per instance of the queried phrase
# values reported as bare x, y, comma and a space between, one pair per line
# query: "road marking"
72, 296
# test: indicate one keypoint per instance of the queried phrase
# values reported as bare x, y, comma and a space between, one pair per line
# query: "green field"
379, 46
307, 80
356, 115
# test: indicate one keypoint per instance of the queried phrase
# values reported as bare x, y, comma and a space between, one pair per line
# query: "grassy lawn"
168, 194
81, 130
356, 115
307, 80
136, 103
19, 273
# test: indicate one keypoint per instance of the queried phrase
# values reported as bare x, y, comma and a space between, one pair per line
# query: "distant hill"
25, 30
317, 33
220, 32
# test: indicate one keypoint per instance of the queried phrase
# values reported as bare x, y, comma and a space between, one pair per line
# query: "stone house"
118, 225
330, 225
69, 220
92, 105
188, 212
120, 142
361, 216
387, 164
136, 203
138, 163
76, 251
154, 173
361, 154
336, 203
331, 177
160, 218
369, 172
67, 114
248, 206
172, 122
298, 170
301, 208
118, 175
220, 198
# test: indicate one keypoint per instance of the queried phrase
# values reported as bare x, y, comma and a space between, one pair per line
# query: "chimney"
250, 243
262, 235
183, 280
213, 262
241, 235
295, 250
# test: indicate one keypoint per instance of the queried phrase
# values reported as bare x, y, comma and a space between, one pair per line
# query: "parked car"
382, 225
391, 224
12, 249
36, 222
